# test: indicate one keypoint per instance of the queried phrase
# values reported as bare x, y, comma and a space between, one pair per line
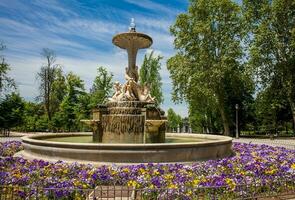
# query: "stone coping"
212, 140
99, 153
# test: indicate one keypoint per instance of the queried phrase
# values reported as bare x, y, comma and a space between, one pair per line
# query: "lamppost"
237, 121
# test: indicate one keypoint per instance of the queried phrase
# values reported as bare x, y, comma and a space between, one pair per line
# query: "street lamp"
237, 121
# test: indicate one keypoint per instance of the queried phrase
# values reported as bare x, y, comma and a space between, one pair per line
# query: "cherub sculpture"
118, 92
145, 94
128, 91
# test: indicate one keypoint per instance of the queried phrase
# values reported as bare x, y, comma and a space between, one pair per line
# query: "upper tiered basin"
132, 40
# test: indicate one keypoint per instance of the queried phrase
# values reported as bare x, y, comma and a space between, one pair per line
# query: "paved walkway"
13, 136
5, 139
288, 143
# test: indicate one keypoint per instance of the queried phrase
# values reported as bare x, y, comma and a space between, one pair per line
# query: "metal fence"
263, 191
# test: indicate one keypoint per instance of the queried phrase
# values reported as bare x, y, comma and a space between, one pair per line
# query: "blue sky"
80, 32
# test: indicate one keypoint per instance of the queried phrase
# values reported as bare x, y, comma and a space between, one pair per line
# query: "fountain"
131, 115
129, 128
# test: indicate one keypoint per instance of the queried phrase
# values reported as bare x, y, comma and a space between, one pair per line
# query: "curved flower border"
254, 165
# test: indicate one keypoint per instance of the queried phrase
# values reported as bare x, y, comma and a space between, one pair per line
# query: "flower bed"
261, 167
10, 148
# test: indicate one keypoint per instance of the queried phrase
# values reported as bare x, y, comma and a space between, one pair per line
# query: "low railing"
280, 189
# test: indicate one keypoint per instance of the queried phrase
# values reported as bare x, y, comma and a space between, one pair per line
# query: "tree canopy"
207, 70
272, 47
150, 75
102, 86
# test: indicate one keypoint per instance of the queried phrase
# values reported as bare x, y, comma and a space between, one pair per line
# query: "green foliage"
272, 108
101, 88
272, 48
204, 118
207, 71
150, 74
31, 117
58, 90
5, 82
174, 120
11, 111
70, 104
222, 50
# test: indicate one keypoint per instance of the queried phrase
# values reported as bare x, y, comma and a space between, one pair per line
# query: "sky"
80, 33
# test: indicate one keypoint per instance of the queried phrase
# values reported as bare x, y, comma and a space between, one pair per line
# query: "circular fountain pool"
88, 139
78, 148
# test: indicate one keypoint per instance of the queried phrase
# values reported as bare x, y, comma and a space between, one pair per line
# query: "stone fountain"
129, 128
131, 114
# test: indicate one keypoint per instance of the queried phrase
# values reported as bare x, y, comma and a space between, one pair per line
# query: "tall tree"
272, 48
58, 89
209, 55
102, 87
150, 74
5, 81
46, 76
69, 107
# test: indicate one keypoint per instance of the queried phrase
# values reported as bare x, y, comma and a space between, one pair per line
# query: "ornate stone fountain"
131, 114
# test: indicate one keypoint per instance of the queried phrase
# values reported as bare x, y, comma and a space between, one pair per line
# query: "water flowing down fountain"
128, 128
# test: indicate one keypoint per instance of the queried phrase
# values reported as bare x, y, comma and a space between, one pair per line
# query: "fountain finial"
132, 25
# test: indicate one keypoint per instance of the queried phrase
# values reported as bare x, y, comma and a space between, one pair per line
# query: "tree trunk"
224, 116
225, 121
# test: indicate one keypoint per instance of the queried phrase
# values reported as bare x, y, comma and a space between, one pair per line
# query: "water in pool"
88, 139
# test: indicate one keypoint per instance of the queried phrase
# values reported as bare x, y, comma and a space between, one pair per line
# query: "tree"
272, 48
208, 67
33, 113
11, 111
101, 88
58, 91
174, 120
5, 81
149, 74
69, 107
46, 76
204, 117
271, 107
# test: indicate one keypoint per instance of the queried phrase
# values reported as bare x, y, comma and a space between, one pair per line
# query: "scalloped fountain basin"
75, 148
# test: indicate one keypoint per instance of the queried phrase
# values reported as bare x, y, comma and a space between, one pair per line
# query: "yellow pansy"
196, 182
133, 183
231, 183
126, 170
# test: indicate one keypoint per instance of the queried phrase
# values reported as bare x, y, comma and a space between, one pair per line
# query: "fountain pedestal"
127, 122
96, 123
